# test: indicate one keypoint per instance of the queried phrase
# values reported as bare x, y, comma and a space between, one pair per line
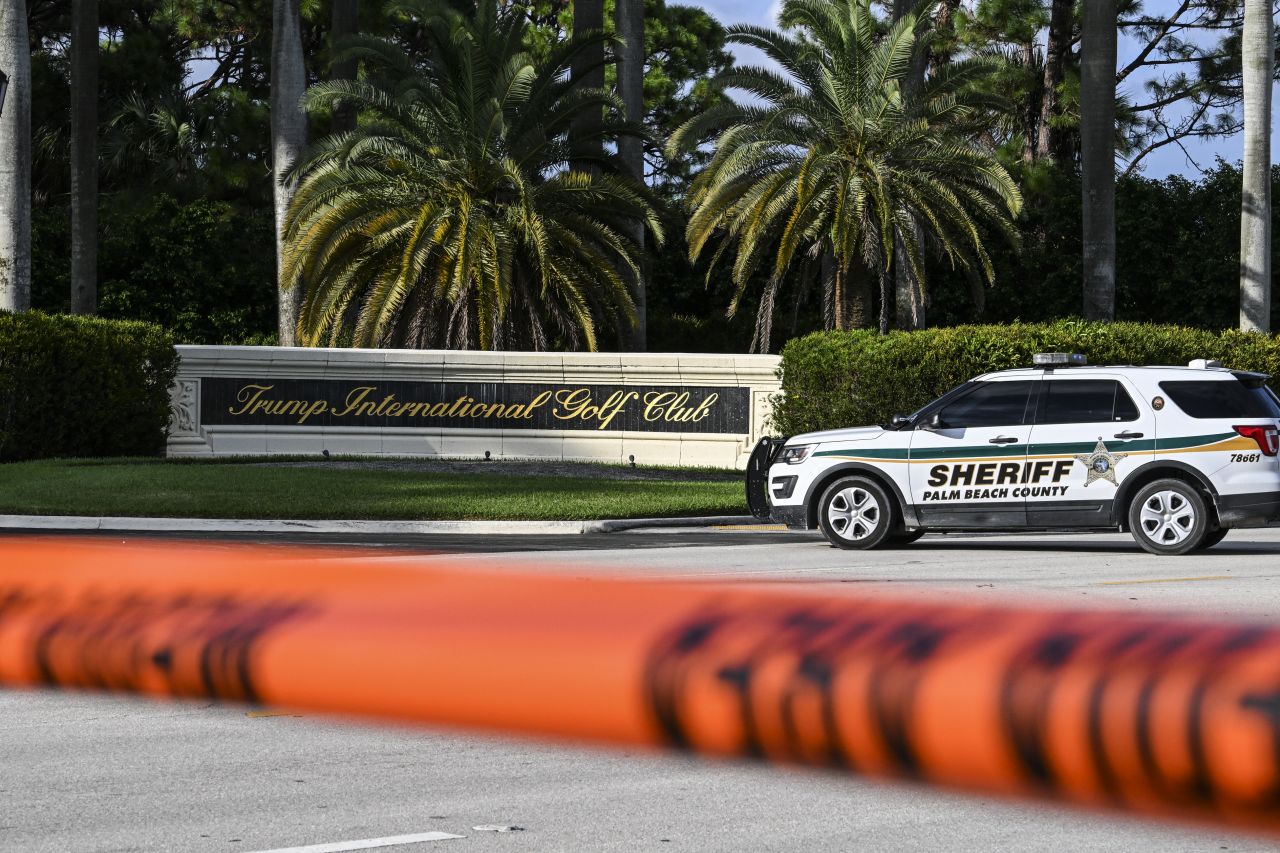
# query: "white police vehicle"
1175, 455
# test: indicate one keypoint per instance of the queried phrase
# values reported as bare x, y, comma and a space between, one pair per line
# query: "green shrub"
82, 386
837, 379
205, 270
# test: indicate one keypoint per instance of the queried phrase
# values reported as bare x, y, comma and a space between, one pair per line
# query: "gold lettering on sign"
674, 407
251, 402
575, 405
578, 406
355, 404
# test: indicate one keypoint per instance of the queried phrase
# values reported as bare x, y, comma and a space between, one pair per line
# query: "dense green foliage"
201, 269
76, 386
839, 379
450, 217
845, 154
186, 183
1177, 251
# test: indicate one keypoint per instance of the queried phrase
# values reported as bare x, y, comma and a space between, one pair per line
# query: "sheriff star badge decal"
1101, 463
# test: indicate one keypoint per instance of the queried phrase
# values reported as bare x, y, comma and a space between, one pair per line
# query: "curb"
67, 523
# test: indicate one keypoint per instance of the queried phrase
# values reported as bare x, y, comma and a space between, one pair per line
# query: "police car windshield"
929, 407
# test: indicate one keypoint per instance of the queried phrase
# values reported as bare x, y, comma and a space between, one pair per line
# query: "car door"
968, 457
1086, 439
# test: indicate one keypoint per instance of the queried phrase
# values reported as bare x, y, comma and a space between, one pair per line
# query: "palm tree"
629, 17
1255, 210
84, 156
346, 19
587, 71
288, 138
450, 217
1097, 157
15, 159
839, 157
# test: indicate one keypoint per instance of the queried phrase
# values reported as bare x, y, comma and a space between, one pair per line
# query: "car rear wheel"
855, 513
1169, 517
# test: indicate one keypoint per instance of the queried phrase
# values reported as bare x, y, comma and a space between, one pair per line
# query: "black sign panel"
475, 405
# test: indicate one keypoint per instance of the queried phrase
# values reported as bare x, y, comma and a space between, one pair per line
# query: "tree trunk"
909, 292
884, 301
629, 22
909, 306
1255, 207
288, 137
1030, 108
15, 159
345, 24
859, 296
84, 156
838, 298
1097, 155
1051, 142
587, 71
945, 27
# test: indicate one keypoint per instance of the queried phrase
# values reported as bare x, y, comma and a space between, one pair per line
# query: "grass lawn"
207, 489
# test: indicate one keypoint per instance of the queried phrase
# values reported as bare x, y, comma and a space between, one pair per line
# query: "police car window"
1083, 401
988, 404
1222, 398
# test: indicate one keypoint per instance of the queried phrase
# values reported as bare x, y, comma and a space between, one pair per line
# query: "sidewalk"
63, 523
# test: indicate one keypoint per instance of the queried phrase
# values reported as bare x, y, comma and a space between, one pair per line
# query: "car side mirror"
899, 421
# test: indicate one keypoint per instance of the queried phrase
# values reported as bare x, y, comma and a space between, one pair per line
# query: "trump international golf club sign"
661, 409
465, 405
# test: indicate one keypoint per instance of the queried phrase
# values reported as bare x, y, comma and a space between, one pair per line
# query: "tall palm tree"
909, 310
15, 159
629, 16
1255, 210
1052, 142
84, 156
587, 71
346, 15
1098, 157
838, 157
451, 216
288, 139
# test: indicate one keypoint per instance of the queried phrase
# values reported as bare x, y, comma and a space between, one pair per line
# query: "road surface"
110, 774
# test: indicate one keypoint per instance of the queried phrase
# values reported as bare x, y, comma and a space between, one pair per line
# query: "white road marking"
366, 843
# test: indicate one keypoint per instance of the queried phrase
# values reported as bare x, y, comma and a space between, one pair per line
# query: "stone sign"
646, 408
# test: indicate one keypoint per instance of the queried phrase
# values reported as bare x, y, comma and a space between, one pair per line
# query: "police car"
1177, 456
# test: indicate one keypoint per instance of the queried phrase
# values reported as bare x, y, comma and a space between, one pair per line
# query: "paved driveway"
92, 774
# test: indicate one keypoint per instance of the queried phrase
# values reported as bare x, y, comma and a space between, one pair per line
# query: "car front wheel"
1213, 537
855, 513
1169, 517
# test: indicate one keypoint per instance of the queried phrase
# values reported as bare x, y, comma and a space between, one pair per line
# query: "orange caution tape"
1149, 714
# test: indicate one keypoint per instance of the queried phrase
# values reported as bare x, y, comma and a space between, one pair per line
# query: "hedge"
82, 386
839, 379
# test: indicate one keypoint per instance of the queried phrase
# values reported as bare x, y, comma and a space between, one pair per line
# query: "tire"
1169, 517
1213, 537
856, 513
900, 538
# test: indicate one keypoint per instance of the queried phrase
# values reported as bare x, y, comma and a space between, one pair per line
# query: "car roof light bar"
1058, 359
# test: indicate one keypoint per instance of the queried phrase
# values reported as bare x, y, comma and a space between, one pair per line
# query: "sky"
1166, 161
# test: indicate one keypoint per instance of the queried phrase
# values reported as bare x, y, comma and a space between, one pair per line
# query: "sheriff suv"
1177, 456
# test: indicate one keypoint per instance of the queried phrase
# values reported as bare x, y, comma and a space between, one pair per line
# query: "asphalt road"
82, 773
